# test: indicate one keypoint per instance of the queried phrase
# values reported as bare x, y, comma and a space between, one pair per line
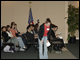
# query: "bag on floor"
7, 49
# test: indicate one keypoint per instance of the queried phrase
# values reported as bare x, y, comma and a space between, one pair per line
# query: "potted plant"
73, 22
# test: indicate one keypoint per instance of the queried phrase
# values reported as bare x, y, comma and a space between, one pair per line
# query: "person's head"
12, 25
28, 28
48, 22
15, 26
8, 28
36, 25
52, 26
55, 28
3, 28
32, 26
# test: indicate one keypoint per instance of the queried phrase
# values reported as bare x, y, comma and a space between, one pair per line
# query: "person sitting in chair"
30, 36
56, 36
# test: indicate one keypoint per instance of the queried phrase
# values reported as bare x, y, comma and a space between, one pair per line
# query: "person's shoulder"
42, 25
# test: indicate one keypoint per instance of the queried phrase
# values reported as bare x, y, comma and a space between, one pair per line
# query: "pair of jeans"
43, 55
24, 40
14, 41
21, 44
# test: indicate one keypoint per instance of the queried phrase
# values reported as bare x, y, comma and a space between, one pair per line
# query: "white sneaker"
22, 50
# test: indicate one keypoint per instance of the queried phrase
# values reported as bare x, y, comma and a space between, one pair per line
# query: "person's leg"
16, 43
62, 45
23, 39
40, 49
20, 42
45, 48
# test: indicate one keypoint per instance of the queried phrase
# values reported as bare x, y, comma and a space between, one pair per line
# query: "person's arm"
40, 33
5, 36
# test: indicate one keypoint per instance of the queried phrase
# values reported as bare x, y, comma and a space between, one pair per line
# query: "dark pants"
33, 40
61, 40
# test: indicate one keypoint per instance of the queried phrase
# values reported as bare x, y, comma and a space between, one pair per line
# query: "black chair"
55, 45
31, 43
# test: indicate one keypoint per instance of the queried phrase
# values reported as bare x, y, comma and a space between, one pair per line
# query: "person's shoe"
22, 50
63, 49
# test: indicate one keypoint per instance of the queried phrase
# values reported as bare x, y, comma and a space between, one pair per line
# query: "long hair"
7, 27
48, 20
12, 23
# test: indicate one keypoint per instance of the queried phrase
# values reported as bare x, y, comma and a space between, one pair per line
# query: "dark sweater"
41, 32
29, 36
53, 34
5, 36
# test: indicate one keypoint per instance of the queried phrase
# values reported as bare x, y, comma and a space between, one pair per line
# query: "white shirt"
9, 34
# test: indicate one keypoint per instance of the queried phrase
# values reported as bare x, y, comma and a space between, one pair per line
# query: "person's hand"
11, 37
47, 41
42, 41
56, 34
35, 37
20, 34
15, 36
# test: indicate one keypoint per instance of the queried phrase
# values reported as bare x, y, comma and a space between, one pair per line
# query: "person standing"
43, 38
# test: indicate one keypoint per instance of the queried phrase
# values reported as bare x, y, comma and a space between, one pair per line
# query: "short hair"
48, 20
3, 27
28, 26
32, 25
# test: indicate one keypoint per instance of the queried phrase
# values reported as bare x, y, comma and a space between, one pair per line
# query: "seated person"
34, 33
21, 43
30, 35
19, 34
54, 35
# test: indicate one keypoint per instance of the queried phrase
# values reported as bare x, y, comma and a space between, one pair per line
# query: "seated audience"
14, 40
9, 39
21, 43
54, 35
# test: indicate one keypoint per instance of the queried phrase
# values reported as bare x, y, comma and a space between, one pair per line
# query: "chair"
31, 43
55, 45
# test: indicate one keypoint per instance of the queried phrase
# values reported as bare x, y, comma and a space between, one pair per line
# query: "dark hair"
7, 28
53, 25
15, 24
28, 26
48, 20
12, 23
3, 27
32, 25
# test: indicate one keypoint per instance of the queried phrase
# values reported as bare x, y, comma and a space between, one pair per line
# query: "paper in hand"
59, 33
48, 44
